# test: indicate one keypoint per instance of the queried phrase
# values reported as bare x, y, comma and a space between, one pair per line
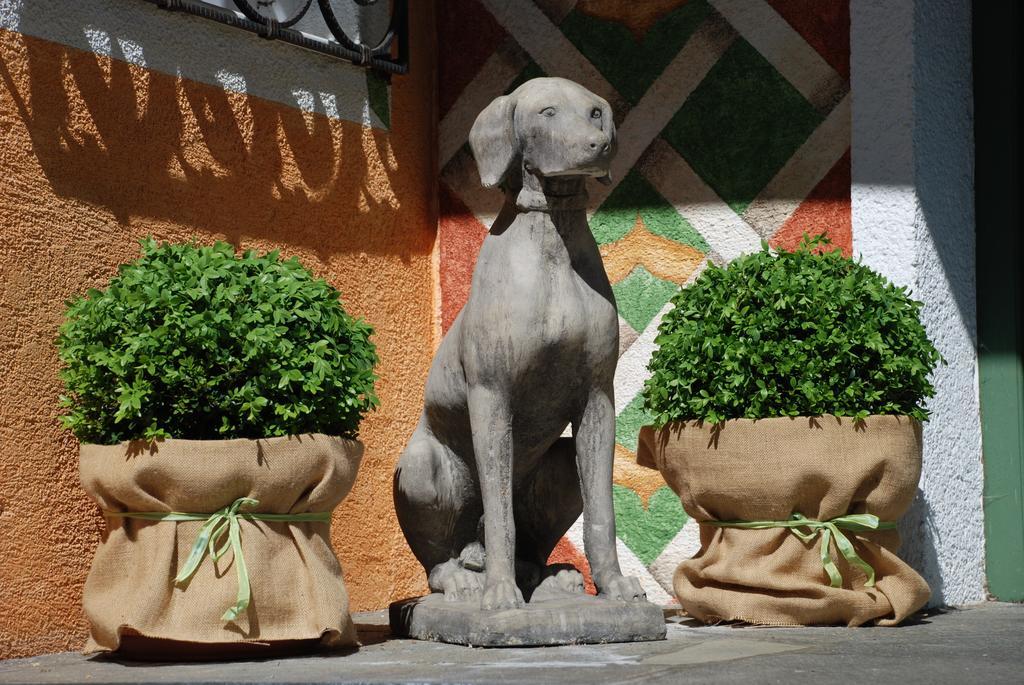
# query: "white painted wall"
913, 220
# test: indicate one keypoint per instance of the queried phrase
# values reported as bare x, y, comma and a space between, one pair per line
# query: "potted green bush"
217, 399
787, 394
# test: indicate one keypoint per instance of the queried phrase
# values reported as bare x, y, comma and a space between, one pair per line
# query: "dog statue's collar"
551, 194
529, 200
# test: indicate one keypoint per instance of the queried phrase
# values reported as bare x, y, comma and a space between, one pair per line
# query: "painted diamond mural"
733, 124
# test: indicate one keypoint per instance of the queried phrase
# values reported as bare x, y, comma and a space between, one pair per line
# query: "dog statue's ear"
608, 126
493, 141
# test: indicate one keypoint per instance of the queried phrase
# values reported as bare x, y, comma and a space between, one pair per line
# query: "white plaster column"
913, 221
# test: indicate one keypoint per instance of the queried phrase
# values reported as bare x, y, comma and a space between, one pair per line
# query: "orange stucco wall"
96, 153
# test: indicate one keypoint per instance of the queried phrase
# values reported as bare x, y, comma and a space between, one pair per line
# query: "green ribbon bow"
211, 540
828, 530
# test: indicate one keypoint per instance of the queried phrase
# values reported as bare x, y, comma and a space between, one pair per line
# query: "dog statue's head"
552, 127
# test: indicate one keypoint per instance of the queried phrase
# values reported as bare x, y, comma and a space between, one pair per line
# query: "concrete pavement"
978, 644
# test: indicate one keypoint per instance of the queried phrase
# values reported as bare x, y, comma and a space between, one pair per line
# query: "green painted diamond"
741, 125
616, 216
647, 532
630, 66
630, 420
640, 296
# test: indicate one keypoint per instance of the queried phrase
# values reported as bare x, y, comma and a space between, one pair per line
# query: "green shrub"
195, 342
801, 333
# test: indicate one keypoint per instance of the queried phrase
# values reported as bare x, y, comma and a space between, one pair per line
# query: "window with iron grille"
372, 33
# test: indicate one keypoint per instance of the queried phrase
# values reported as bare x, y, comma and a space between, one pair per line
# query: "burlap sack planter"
767, 470
298, 597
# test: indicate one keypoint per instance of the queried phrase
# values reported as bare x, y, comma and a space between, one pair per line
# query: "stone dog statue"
486, 486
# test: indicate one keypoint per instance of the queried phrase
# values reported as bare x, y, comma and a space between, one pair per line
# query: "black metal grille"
390, 54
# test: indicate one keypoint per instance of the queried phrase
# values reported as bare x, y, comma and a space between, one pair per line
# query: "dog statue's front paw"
621, 587
501, 594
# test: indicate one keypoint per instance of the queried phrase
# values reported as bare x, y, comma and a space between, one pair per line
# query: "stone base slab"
570, 620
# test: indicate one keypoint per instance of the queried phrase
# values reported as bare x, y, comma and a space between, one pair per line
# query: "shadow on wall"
141, 143
944, 148
102, 146
948, 545
725, 139
921, 537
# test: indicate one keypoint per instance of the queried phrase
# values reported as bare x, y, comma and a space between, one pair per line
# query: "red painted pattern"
460, 237
566, 553
469, 34
825, 25
826, 210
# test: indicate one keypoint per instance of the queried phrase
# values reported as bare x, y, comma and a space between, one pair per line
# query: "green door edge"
1000, 372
